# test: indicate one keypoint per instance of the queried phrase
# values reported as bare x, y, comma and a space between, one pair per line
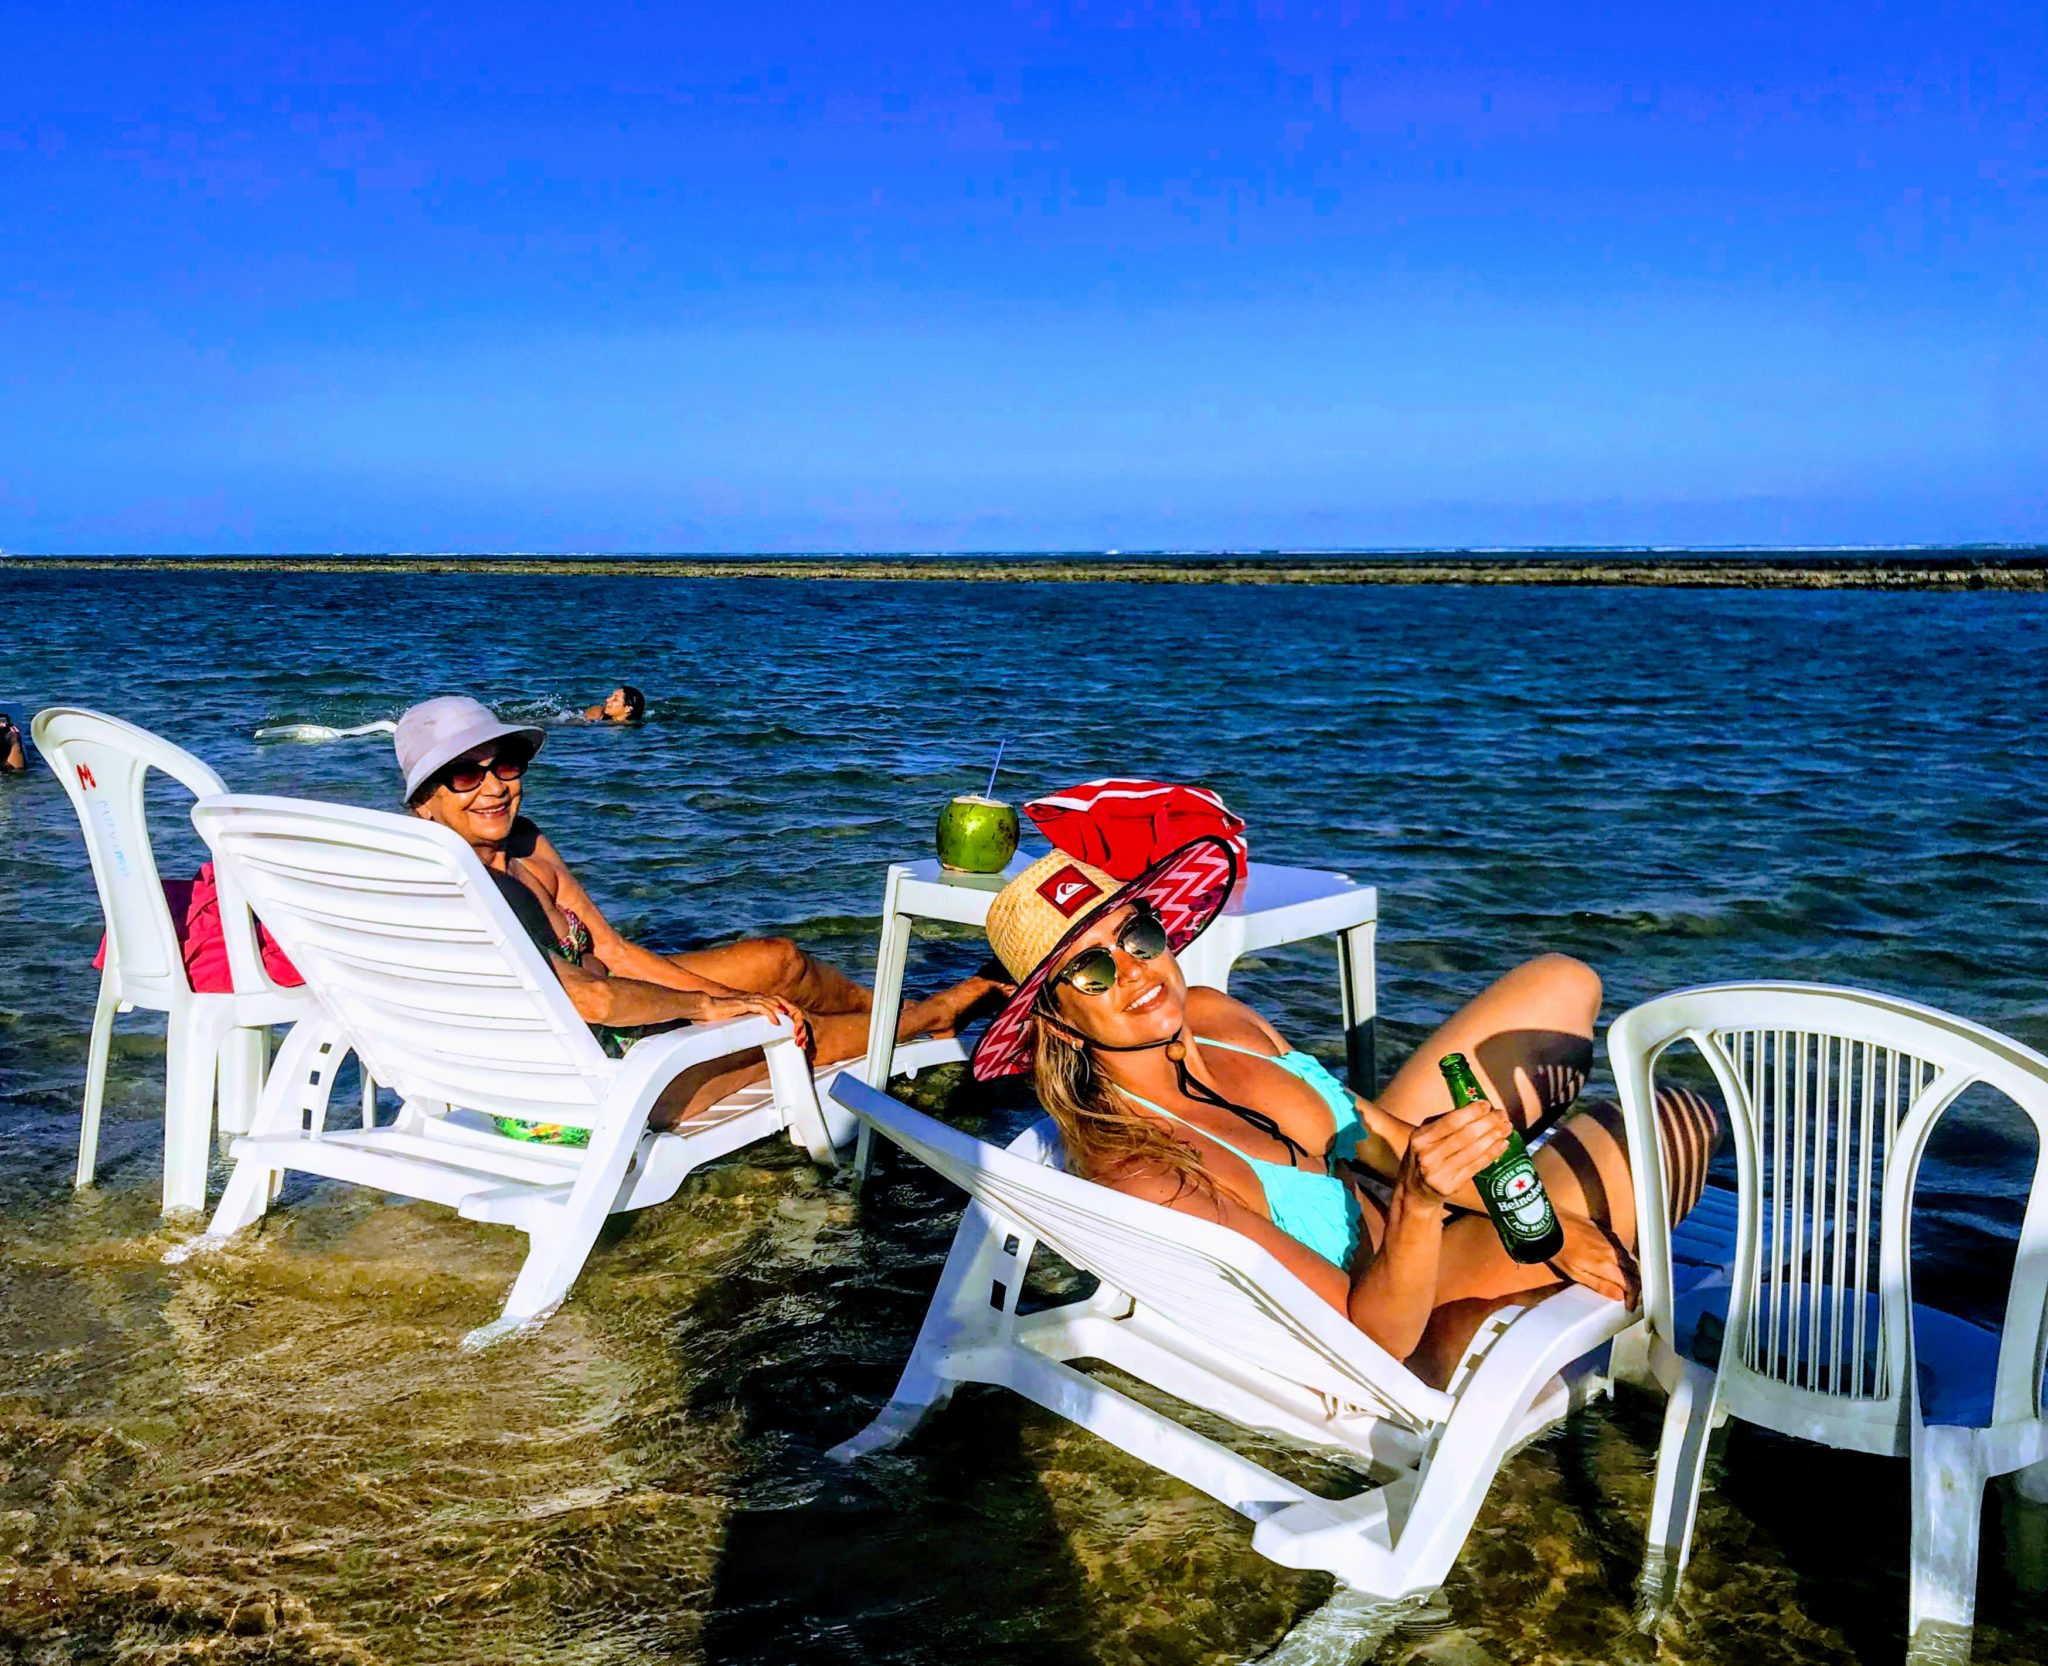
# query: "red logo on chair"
1069, 890
85, 777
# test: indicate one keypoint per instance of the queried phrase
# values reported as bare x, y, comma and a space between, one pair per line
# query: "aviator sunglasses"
465, 775
1093, 970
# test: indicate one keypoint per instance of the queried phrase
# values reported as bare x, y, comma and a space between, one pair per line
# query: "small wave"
548, 710
322, 731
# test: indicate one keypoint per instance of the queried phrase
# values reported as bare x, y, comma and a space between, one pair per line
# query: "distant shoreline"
1914, 569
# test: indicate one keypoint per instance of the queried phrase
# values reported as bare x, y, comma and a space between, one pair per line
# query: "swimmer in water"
13, 754
625, 704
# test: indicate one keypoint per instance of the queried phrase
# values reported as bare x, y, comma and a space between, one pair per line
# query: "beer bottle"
1509, 1185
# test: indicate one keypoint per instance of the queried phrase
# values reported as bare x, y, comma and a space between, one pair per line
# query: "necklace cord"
1198, 1091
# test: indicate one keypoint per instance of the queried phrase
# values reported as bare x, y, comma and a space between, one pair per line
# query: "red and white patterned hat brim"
1186, 889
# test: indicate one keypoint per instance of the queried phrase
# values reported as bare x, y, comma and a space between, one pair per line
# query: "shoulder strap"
1183, 1121
1232, 1047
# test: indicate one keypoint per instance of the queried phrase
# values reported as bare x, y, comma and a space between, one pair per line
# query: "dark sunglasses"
465, 775
1093, 970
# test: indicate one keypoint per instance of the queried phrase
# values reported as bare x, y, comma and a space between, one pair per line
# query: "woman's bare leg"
1585, 1168
835, 1038
1529, 1036
776, 966
845, 1035
700, 1087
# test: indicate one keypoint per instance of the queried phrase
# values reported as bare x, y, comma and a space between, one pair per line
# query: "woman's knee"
1566, 979
781, 960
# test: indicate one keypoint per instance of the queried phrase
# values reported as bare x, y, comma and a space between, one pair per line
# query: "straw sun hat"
1037, 916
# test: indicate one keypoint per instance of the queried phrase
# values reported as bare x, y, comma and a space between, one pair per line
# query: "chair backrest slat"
102, 763
403, 938
1217, 1285
1818, 1132
1832, 1096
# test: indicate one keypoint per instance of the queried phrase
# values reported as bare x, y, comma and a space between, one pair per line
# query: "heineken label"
1517, 1199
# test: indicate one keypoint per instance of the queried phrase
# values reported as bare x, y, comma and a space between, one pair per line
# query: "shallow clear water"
280, 1454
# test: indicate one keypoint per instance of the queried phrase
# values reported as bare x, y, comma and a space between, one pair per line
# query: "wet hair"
636, 702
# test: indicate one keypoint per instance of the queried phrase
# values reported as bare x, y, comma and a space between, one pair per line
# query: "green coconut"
977, 835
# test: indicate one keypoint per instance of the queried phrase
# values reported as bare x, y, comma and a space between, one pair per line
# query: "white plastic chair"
420, 968
1832, 1095
102, 762
1209, 1317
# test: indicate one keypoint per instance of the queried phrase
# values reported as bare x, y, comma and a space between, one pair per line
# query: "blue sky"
994, 276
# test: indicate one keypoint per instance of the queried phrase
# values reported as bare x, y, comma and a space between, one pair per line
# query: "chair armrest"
655, 1061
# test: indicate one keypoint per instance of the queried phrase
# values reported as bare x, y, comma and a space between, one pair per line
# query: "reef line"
1914, 569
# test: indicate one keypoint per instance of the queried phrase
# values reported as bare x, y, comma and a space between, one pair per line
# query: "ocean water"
280, 1455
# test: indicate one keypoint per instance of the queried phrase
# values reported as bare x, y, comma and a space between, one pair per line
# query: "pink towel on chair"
195, 916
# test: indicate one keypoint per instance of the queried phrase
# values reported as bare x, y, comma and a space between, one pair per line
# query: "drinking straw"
992, 768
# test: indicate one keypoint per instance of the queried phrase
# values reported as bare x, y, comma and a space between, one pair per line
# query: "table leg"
1361, 1007
891, 954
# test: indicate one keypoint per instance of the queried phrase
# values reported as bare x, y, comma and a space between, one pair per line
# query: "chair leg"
244, 1056
554, 1261
2026, 1528
796, 1097
963, 1315
1948, 1500
1681, 1464
188, 1111
96, 1081
294, 1094
561, 1239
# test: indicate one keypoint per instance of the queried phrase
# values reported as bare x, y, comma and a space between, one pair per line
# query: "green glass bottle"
1509, 1185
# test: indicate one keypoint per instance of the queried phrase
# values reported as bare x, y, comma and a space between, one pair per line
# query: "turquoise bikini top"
1318, 1211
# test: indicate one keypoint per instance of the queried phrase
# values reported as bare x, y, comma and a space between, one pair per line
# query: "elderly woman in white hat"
1190, 1099
465, 769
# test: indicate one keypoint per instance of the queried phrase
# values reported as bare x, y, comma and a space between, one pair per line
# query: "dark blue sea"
282, 1456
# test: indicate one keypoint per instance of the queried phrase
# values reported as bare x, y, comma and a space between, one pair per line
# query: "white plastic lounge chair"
1832, 1095
419, 966
1207, 1316
102, 762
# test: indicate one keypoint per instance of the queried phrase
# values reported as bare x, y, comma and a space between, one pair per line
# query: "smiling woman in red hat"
1189, 1098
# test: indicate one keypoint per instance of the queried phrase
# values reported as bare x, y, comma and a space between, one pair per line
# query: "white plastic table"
1274, 905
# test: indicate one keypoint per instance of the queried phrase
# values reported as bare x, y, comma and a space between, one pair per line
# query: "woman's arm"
626, 959
628, 1002
621, 956
1386, 1143
1391, 1295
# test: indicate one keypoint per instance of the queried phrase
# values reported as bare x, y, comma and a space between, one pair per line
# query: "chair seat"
1957, 1361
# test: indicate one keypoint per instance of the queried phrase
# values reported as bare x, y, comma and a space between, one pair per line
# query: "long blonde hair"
1102, 1134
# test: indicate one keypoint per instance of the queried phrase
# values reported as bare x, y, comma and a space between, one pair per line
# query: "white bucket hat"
436, 732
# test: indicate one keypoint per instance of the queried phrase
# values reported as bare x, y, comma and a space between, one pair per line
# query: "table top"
928, 891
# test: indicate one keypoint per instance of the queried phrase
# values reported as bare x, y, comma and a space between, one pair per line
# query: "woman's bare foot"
946, 1013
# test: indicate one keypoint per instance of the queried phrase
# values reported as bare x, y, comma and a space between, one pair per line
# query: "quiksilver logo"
1069, 890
